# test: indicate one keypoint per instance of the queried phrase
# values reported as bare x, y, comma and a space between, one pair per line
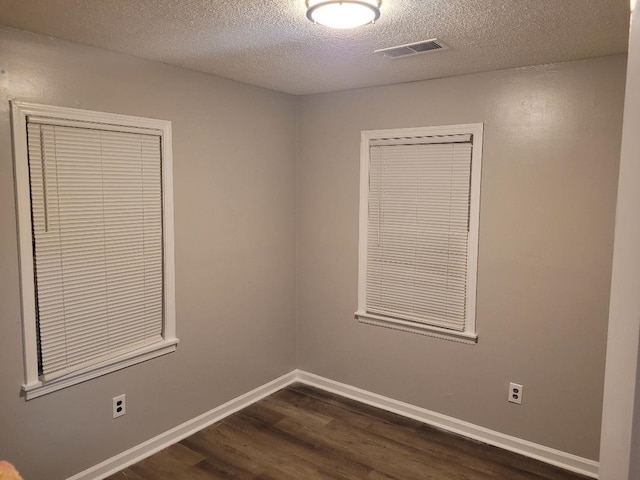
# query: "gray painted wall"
550, 164
234, 177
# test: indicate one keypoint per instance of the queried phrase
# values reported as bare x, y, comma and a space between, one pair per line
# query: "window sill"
40, 388
413, 327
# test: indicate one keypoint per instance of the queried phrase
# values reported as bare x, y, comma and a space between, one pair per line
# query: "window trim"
20, 112
469, 335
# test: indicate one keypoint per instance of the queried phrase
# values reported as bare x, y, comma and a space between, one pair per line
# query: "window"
419, 213
95, 217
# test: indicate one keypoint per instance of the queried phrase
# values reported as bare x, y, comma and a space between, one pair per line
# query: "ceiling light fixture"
343, 13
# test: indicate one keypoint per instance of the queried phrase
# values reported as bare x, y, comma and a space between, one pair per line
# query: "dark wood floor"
304, 433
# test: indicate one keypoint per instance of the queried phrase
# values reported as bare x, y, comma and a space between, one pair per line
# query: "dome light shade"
343, 13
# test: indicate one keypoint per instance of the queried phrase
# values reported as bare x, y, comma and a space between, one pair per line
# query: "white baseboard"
523, 447
140, 452
558, 458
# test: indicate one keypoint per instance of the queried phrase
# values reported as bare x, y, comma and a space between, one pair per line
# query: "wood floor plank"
326, 458
222, 457
391, 438
407, 437
302, 433
216, 467
380, 453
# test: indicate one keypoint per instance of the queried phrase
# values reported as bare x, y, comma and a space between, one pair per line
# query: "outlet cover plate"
515, 393
119, 406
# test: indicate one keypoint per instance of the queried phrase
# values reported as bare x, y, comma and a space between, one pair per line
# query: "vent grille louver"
416, 48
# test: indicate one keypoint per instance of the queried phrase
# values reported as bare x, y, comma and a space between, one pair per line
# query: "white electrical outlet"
119, 407
515, 393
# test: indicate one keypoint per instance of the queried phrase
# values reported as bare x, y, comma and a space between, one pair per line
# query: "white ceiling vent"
412, 48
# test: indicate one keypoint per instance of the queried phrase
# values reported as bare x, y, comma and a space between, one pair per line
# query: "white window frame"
34, 386
469, 334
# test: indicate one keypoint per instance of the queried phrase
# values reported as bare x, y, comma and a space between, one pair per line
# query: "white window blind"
97, 226
419, 222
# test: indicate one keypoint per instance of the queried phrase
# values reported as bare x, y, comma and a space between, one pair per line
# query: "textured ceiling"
270, 43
